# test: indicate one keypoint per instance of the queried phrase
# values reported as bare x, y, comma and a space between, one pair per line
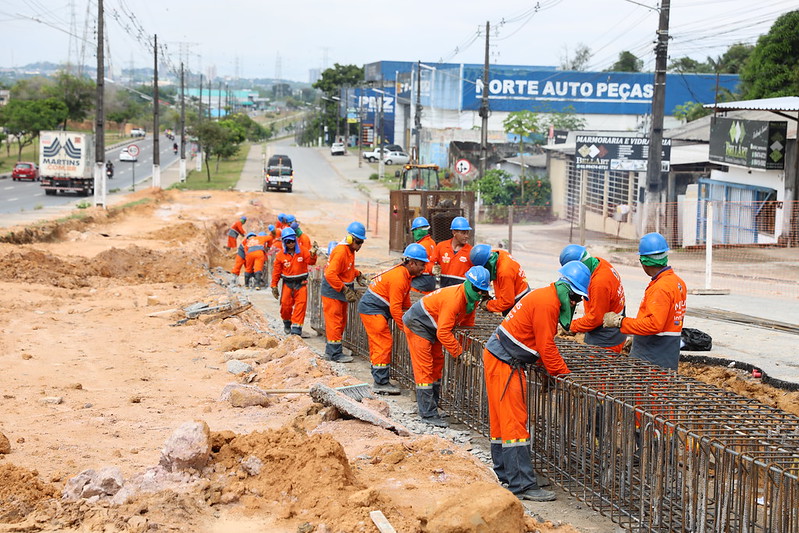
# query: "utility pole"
99, 126
654, 182
417, 116
219, 103
182, 167
484, 110
200, 112
381, 166
156, 125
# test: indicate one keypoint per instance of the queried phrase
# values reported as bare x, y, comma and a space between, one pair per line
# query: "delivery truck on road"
66, 162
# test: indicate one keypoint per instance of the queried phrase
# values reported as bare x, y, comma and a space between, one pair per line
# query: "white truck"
66, 162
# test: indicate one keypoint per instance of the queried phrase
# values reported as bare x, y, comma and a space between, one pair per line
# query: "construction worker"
291, 266
657, 329
387, 297
254, 262
526, 336
450, 258
507, 275
425, 283
281, 221
235, 230
607, 295
428, 329
338, 289
241, 259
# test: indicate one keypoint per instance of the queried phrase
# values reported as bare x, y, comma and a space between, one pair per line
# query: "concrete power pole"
182, 166
99, 127
417, 118
484, 111
156, 125
654, 181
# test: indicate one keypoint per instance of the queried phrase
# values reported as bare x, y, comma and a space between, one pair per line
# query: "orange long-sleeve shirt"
391, 289
510, 283
237, 229
429, 245
663, 308
453, 264
340, 267
292, 266
606, 294
435, 315
530, 329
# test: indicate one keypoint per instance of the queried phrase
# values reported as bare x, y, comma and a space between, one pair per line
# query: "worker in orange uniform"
607, 295
291, 266
428, 329
657, 329
254, 263
338, 289
235, 230
241, 259
450, 258
388, 297
426, 281
507, 275
302, 238
526, 336
281, 221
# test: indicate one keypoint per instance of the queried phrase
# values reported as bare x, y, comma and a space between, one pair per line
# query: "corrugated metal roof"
780, 103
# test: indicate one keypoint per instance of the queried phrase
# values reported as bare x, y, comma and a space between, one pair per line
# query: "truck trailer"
66, 162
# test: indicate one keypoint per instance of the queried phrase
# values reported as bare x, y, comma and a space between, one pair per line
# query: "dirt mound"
35, 266
141, 265
21, 491
178, 233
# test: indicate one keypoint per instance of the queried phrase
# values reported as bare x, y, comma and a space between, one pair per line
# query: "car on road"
125, 155
25, 170
338, 149
138, 132
396, 158
278, 174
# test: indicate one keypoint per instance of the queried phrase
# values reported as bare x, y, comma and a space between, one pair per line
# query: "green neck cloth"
298, 231
491, 265
566, 309
418, 233
655, 260
591, 263
473, 297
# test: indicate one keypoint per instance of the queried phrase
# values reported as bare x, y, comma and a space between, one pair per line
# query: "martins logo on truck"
61, 158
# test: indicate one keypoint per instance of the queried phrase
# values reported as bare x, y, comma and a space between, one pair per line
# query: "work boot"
287, 326
537, 495
344, 359
258, 281
247, 279
386, 388
437, 398
332, 351
518, 468
296, 330
436, 421
426, 404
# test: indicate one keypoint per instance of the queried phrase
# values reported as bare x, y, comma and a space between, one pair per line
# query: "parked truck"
66, 162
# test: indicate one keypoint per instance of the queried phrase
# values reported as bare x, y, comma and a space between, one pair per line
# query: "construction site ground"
100, 366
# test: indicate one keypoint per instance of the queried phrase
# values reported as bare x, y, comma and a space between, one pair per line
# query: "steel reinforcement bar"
651, 449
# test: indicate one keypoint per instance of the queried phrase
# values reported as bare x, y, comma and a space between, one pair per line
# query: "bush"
498, 187
374, 176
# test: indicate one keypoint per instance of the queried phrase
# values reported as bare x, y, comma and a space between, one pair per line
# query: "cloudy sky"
288, 38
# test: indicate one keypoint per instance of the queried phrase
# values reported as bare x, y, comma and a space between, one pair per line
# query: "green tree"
773, 67
567, 119
582, 55
688, 65
214, 138
524, 124
628, 62
31, 88
496, 187
330, 83
690, 111
78, 94
733, 60
24, 119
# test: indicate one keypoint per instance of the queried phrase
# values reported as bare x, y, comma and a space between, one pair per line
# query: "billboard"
754, 144
369, 104
593, 152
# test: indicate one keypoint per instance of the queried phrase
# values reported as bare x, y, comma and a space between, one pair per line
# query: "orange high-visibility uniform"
510, 283
657, 328
340, 271
454, 265
254, 260
293, 270
428, 328
607, 294
233, 233
241, 258
424, 282
528, 331
387, 297
304, 241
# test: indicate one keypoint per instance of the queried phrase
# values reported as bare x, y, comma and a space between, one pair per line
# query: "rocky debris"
486, 506
89, 484
5, 445
245, 396
234, 366
189, 447
252, 465
246, 353
157, 479
347, 406
53, 400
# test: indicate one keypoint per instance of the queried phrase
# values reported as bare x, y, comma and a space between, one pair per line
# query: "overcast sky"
288, 38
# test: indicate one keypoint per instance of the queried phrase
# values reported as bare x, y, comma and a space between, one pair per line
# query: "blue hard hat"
652, 243
295, 225
480, 254
288, 234
577, 276
416, 251
250, 234
330, 246
281, 217
460, 223
290, 219
573, 252
262, 234
479, 277
357, 230
243, 218
419, 222
271, 227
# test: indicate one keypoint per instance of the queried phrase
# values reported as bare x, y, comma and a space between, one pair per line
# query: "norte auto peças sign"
754, 144
595, 152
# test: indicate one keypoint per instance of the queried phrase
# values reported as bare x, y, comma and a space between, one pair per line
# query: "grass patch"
83, 205
141, 201
8, 156
37, 207
223, 179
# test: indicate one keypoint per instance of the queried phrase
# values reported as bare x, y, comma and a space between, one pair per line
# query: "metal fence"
651, 449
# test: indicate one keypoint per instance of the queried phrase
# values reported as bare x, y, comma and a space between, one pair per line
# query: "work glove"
350, 294
563, 332
612, 320
276, 293
361, 279
467, 358
315, 248
436, 269
484, 305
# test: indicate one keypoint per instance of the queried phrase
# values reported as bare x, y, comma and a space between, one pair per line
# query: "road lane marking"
7, 188
11, 199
